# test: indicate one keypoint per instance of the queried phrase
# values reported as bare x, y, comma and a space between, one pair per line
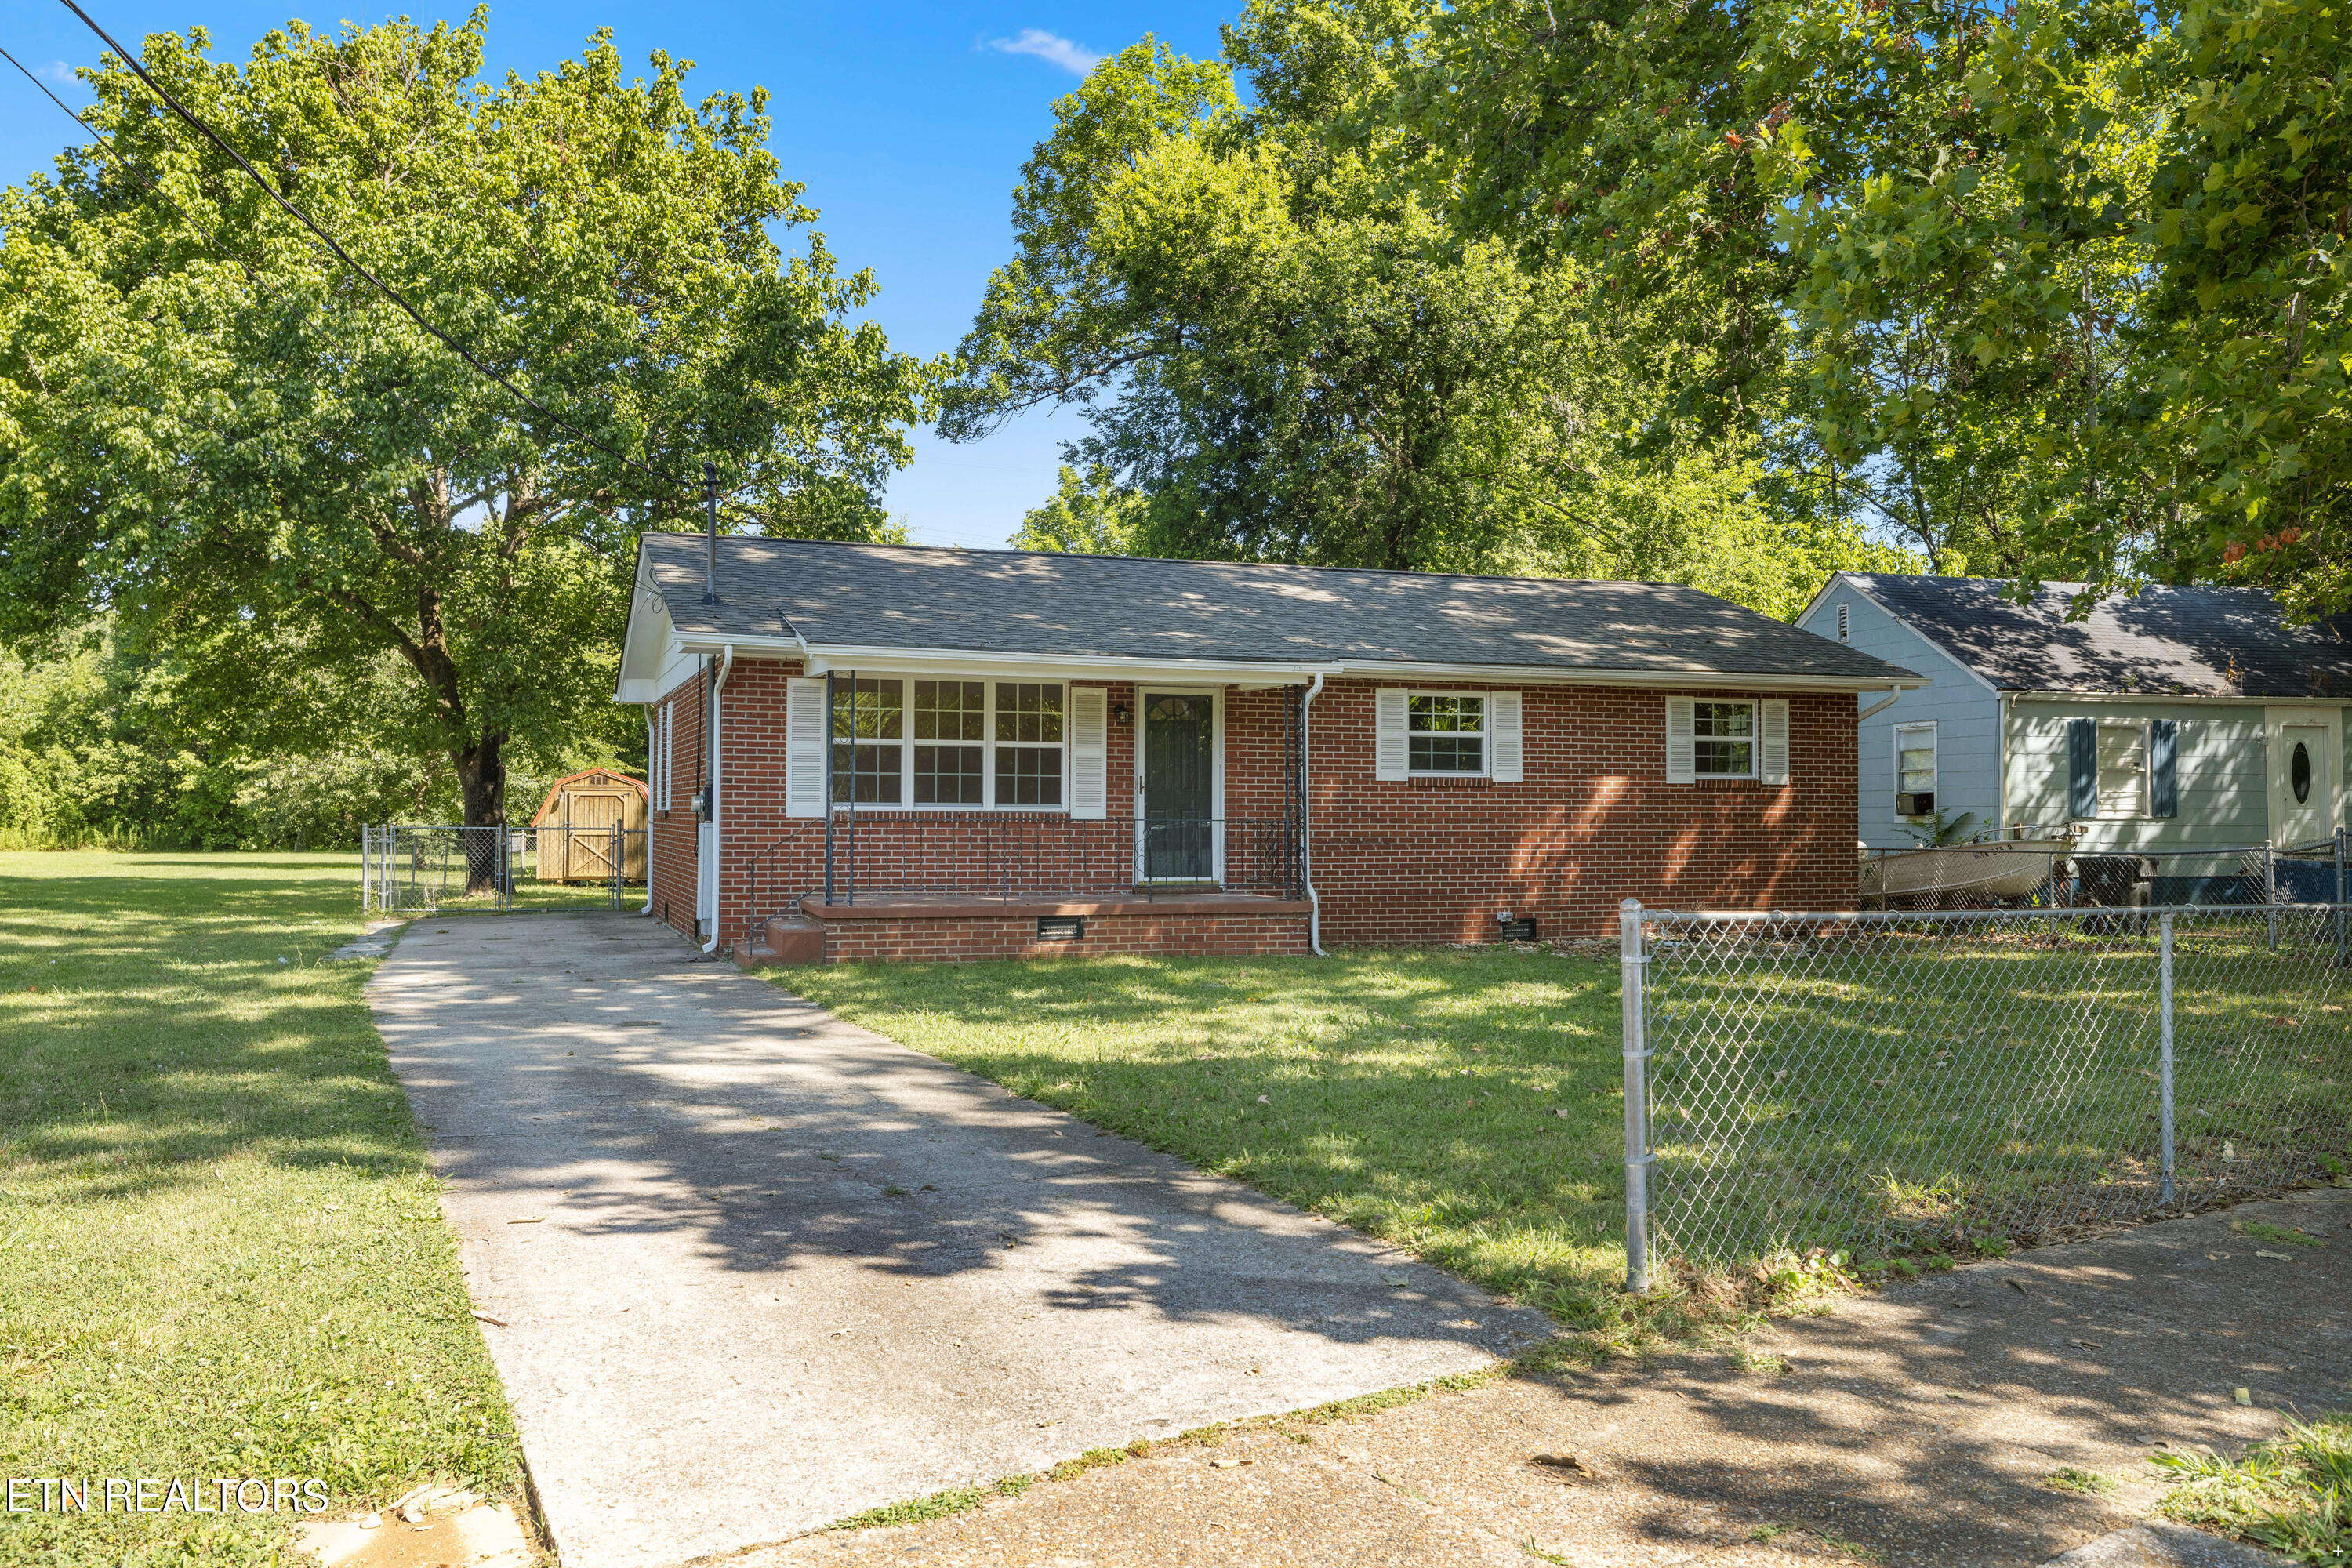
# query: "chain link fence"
409, 868
1887, 1082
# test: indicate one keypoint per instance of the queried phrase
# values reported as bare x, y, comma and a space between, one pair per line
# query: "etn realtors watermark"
178, 1494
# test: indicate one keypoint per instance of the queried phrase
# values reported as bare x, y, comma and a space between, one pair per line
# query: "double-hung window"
974, 743
1028, 743
1723, 740
1445, 734
1914, 770
951, 726
870, 731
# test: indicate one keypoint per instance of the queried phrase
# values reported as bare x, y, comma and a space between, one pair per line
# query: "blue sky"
907, 122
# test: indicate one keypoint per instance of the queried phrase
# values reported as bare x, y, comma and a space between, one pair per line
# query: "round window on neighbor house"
2298, 773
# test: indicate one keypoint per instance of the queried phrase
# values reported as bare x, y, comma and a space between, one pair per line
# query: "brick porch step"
784, 939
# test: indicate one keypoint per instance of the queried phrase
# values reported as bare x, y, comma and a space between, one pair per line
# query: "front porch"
920, 886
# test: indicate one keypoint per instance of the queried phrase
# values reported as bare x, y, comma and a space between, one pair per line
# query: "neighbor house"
865, 750
2174, 719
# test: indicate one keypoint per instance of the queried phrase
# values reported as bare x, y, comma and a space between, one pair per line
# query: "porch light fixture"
1118, 712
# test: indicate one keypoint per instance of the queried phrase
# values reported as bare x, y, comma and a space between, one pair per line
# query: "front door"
2302, 785
1178, 787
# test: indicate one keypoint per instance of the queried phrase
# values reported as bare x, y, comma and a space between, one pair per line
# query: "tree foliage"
1287, 352
2051, 290
212, 433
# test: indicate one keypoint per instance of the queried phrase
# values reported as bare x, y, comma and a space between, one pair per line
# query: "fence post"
2163, 1042
2339, 898
1632, 963
2270, 888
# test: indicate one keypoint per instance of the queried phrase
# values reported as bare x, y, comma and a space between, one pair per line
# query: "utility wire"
327, 240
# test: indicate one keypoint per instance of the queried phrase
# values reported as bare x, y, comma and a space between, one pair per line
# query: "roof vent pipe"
709, 533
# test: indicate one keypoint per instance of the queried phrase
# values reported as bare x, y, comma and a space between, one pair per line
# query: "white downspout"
653, 741
1307, 818
718, 860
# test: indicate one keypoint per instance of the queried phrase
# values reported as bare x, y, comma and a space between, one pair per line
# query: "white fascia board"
1662, 680
647, 640
822, 658
1818, 595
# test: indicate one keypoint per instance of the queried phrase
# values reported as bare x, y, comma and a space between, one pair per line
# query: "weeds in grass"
2284, 1235
1851, 1548
1539, 1553
1767, 1530
2291, 1494
2089, 1483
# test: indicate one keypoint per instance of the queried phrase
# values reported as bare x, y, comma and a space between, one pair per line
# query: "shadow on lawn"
147, 1034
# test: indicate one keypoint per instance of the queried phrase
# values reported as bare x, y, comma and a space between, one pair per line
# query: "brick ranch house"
1027, 754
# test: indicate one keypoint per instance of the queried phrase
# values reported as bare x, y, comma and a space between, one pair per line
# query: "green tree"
1287, 352
1090, 514
225, 439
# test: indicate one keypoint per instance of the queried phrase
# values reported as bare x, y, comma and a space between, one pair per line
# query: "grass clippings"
220, 1248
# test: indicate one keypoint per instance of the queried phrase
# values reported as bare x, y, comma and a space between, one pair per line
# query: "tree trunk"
482, 784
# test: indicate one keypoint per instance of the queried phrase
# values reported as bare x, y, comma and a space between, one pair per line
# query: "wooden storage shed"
574, 827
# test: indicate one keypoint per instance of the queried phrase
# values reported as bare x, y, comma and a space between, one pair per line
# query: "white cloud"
1075, 59
57, 70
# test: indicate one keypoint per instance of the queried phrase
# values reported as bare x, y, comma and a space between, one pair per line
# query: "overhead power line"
196, 123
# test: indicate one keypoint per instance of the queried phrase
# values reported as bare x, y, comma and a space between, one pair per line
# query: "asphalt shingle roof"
878, 596
2219, 642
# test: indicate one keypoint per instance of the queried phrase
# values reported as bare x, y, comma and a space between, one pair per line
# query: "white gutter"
718, 858
652, 740
1881, 706
1307, 817
820, 657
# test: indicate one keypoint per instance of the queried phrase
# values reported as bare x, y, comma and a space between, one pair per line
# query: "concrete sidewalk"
1917, 1428
759, 1269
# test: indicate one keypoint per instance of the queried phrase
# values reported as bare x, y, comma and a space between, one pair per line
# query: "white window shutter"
1772, 719
1682, 743
804, 743
1502, 743
1089, 759
1391, 757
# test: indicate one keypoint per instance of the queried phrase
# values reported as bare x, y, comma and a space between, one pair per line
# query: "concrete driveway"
759, 1269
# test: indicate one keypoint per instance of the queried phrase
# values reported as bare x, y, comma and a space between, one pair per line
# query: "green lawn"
1467, 1104
220, 1254
1894, 1098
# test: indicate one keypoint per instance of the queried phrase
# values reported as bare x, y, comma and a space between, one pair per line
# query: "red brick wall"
1593, 821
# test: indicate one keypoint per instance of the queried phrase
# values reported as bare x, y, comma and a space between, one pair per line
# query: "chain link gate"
1886, 1081
409, 868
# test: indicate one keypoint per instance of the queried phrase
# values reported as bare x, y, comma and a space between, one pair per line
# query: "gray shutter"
2082, 767
2163, 768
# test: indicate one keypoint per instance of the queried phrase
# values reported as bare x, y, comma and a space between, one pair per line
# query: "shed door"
592, 816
